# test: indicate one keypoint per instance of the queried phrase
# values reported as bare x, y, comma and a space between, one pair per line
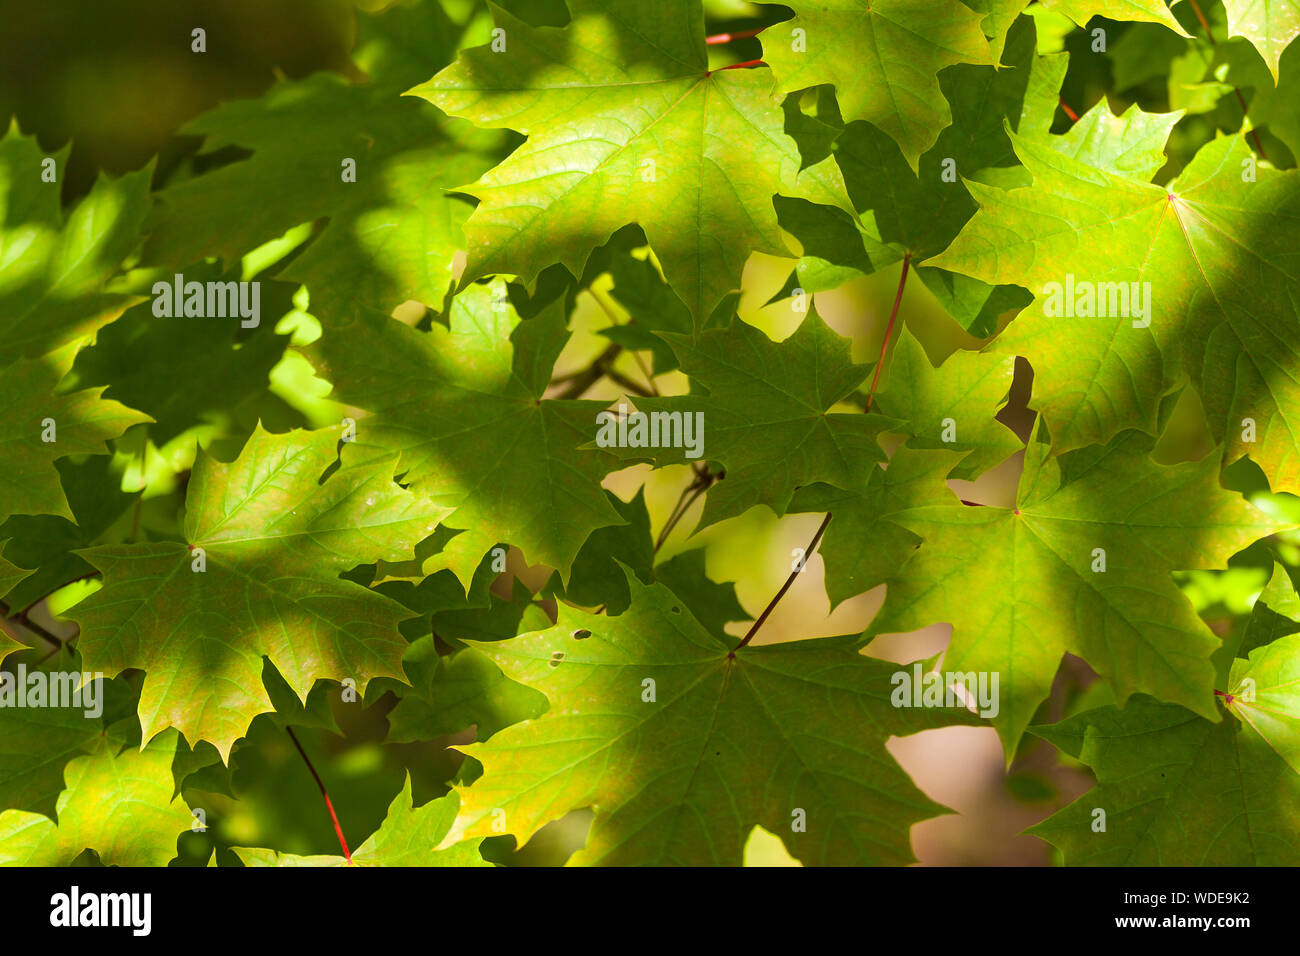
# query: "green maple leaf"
653, 307
82, 424
915, 213
768, 415
407, 837
48, 543
1217, 251
714, 605
452, 693
1132, 144
1274, 615
119, 804
40, 737
188, 371
999, 16
1148, 11
883, 59
727, 743
597, 577
1270, 25
274, 540
394, 231
39, 742
1179, 790
1264, 694
463, 405
915, 477
625, 123
953, 405
1022, 586
10, 577
54, 268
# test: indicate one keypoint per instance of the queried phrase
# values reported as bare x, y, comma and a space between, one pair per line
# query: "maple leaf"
712, 604
10, 577
407, 837
119, 804
625, 123
999, 17
681, 774
1081, 564
274, 538
188, 371
914, 477
1179, 790
953, 405
901, 211
1149, 11
39, 742
652, 306
767, 415
1270, 25
55, 268
1275, 614
394, 229
883, 58
1132, 144
455, 692
598, 576
41, 426
47, 543
474, 433
10, 574
1216, 251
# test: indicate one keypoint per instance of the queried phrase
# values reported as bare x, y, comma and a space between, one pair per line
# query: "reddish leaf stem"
718, 38
889, 330
338, 830
1074, 117
748, 64
807, 553
1205, 24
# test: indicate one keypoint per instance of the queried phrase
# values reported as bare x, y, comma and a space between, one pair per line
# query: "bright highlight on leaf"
622, 131
682, 746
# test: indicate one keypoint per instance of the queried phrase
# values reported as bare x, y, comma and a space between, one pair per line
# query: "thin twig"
29, 624
628, 384
338, 830
808, 552
747, 65
718, 38
703, 480
601, 367
889, 330
645, 370
22, 615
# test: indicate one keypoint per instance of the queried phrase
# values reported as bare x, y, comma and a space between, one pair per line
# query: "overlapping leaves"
257, 574
625, 123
